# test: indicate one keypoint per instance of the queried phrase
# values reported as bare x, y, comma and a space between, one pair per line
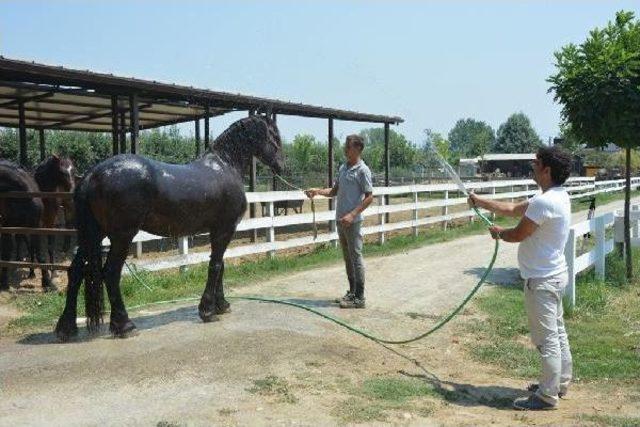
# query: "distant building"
511, 165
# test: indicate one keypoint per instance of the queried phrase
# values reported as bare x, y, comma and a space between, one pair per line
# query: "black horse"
30, 212
128, 193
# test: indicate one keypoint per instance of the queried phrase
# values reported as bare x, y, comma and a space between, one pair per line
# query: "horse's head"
266, 142
56, 174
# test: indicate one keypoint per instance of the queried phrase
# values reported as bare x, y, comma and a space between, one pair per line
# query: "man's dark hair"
558, 160
356, 141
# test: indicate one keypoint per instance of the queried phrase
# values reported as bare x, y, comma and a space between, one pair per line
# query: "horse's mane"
239, 127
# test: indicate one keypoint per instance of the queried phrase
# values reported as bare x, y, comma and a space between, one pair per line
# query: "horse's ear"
55, 158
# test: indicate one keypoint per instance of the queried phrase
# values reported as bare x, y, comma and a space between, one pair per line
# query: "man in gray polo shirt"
354, 189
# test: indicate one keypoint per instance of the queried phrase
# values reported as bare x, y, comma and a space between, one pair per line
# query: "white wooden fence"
596, 228
441, 196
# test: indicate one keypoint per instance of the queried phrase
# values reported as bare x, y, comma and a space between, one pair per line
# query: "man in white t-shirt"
542, 233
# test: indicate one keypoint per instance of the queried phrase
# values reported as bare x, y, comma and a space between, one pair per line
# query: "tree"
402, 153
598, 85
470, 138
516, 135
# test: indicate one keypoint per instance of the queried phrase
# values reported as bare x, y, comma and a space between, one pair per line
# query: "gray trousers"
543, 302
351, 243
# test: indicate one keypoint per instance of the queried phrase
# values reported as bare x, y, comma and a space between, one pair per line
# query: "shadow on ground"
497, 397
150, 321
498, 276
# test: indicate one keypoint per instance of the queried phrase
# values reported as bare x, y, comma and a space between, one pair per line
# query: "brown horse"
128, 193
54, 174
27, 212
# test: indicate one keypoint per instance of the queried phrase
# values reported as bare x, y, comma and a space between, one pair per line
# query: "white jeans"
543, 302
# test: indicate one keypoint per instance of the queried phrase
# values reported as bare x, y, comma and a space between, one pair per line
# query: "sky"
430, 62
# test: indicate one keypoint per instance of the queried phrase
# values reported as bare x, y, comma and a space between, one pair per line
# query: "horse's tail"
89, 248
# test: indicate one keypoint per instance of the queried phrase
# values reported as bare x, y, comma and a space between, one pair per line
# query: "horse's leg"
47, 285
67, 326
120, 325
6, 241
21, 239
212, 301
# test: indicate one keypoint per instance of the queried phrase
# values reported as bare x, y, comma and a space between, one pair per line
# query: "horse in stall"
127, 193
54, 174
28, 212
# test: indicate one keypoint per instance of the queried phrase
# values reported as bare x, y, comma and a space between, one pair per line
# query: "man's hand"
472, 200
348, 219
495, 231
311, 193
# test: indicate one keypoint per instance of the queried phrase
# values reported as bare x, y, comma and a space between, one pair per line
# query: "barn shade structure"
41, 97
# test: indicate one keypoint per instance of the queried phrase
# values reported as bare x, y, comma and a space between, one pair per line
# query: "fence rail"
442, 197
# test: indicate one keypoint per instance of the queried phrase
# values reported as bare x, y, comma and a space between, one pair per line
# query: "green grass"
603, 328
609, 421
42, 310
375, 399
275, 387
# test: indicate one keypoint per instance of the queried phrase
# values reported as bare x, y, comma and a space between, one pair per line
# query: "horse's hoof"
125, 331
208, 316
65, 330
223, 308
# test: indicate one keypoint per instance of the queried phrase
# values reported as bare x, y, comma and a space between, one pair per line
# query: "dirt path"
274, 365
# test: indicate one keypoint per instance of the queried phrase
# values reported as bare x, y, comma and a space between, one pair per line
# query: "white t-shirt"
542, 253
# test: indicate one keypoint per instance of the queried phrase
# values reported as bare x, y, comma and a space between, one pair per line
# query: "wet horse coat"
128, 193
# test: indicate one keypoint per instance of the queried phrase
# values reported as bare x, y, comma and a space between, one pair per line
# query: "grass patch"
603, 328
376, 399
609, 421
274, 387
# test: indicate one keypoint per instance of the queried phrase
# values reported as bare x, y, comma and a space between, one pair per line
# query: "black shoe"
532, 403
355, 302
534, 388
347, 297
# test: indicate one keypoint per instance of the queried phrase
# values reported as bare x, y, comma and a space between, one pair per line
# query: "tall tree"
470, 138
598, 85
516, 135
402, 153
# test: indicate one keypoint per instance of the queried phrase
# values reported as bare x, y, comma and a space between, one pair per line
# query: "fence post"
445, 209
570, 256
333, 225
183, 249
271, 231
138, 253
634, 232
415, 211
381, 221
493, 193
600, 246
512, 190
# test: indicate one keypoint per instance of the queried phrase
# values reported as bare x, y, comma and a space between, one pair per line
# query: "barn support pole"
22, 130
123, 132
42, 144
197, 131
252, 188
332, 224
206, 127
134, 120
114, 124
274, 180
386, 165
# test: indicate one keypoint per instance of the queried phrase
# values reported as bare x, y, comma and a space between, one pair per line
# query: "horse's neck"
234, 154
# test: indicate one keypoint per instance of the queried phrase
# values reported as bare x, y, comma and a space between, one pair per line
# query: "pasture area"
264, 364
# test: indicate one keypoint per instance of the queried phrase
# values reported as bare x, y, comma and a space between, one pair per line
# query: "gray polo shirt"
351, 184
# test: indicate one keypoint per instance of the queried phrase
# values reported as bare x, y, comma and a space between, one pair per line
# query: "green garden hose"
344, 324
